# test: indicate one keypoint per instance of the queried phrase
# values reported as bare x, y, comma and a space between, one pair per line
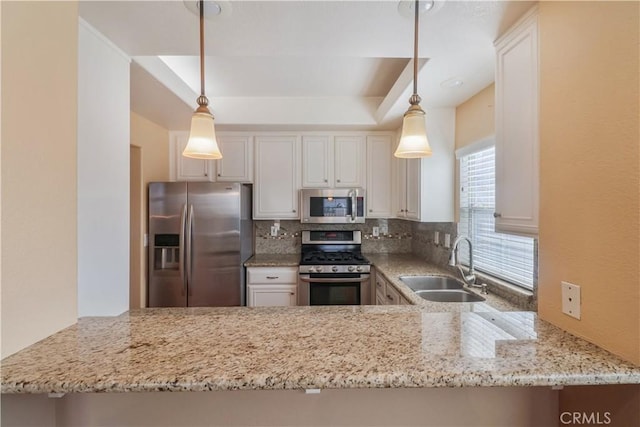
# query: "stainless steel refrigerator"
200, 234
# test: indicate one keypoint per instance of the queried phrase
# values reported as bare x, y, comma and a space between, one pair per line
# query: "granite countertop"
273, 260
199, 349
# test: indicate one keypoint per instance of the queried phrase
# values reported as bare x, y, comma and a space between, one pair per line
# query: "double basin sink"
440, 289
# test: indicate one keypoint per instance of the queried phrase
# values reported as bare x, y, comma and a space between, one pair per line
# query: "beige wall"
153, 141
475, 118
589, 169
39, 126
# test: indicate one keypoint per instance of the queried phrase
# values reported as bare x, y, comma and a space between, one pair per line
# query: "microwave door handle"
354, 204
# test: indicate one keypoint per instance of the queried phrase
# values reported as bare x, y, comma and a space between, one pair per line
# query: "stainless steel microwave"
332, 206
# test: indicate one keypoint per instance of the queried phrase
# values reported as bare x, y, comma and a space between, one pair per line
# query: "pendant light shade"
202, 137
202, 142
413, 139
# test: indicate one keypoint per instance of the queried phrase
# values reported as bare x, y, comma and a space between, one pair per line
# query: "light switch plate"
571, 299
376, 231
274, 231
436, 237
447, 240
384, 229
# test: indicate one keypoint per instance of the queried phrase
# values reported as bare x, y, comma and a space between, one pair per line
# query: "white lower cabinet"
272, 286
386, 294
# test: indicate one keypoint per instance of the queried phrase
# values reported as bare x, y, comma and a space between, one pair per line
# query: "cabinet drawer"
272, 275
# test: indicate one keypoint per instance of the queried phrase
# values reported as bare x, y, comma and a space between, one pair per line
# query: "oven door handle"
334, 280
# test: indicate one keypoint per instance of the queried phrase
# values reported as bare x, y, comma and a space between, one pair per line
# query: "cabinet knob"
497, 215
219, 175
338, 180
206, 174
292, 293
370, 210
326, 180
294, 211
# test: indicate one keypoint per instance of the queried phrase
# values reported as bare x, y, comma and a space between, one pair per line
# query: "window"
505, 256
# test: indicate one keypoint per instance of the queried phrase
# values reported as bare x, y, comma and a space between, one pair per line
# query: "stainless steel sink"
440, 289
450, 295
424, 283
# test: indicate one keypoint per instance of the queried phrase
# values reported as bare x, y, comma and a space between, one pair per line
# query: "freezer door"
214, 253
167, 217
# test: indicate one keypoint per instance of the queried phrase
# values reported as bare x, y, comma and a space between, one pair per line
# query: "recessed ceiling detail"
317, 64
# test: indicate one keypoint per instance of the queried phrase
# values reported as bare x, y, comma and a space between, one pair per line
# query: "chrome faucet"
469, 279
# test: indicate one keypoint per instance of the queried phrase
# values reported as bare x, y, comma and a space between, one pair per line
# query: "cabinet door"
349, 164
317, 161
380, 290
392, 296
187, 169
237, 158
400, 196
277, 177
379, 201
271, 295
414, 175
517, 158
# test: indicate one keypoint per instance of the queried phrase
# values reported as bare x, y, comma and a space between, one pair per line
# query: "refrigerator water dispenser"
166, 252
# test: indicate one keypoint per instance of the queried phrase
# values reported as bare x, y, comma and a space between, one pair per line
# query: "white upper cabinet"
333, 161
237, 158
350, 158
379, 182
277, 177
317, 161
236, 164
425, 186
517, 148
185, 168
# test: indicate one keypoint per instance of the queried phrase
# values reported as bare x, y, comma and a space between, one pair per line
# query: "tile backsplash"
401, 237
396, 240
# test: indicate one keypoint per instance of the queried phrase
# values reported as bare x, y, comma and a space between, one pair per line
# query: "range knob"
312, 269
359, 268
351, 268
318, 269
334, 268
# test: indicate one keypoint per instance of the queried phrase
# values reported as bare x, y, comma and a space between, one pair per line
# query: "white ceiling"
301, 64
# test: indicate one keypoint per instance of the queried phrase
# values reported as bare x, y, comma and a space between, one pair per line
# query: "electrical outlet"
376, 231
571, 299
384, 229
447, 240
436, 237
274, 231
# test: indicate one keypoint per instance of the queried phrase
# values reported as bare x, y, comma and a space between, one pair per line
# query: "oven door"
334, 289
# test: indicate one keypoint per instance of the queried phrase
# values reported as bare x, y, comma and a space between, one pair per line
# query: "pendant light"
413, 140
202, 142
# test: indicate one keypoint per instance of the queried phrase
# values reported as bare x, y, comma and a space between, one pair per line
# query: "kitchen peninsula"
318, 349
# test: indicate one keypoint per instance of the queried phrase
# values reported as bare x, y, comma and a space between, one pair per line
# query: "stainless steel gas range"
333, 270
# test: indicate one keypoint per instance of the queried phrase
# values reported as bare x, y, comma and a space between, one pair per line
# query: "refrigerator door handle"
189, 243
183, 219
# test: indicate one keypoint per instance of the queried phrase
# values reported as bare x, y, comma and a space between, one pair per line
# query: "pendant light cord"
202, 47
415, 50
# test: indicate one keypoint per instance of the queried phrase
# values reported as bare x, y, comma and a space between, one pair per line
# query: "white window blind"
505, 256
